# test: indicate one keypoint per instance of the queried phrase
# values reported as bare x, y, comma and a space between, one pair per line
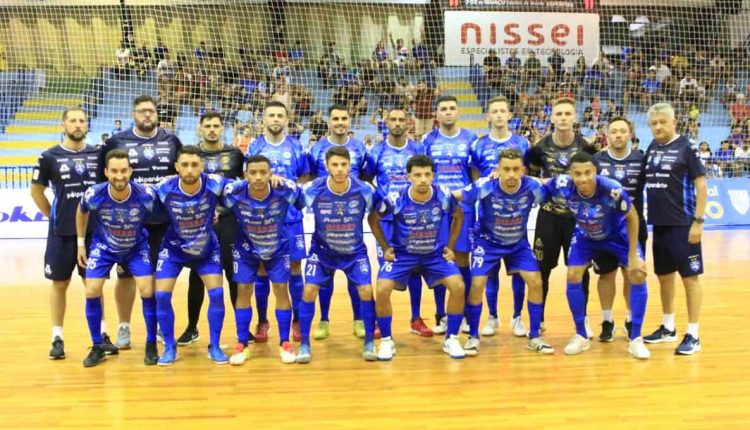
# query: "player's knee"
383, 291
365, 292
636, 277
61, 286
534, 282
575, 274
454, 284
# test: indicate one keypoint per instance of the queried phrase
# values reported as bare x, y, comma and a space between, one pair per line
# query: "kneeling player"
606, 222
419, 242
119, 207
261, 213
504, 207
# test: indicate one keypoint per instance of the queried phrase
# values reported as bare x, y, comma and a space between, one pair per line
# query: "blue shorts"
137, 261
171, 261
583, 250
245, 265
321, 266
464, 242
296, 238
432, 267
61, 255
486, 256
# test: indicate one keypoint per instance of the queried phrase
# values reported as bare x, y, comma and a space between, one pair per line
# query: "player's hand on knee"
448, 254
83, 261
389, 254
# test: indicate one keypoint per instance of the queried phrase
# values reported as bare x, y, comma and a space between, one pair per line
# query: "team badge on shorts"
695, 263
363, 266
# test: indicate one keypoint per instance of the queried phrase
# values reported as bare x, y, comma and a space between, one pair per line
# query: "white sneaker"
542, 327
577, 345
442, 326
539, 345
519, 330
490, 326
638, 349
241, 354
287, 354
471, 347
387, 349
465, 325
452, 347
587, 325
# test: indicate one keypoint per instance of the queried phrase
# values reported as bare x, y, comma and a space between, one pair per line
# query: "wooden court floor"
505, 387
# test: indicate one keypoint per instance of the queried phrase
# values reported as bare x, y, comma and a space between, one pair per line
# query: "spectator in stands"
123, 61
245, 115
737, 137
632, 87
117, 128
532, 69
167, 113
281, 94
200, 53
297, 56
160, 51
650, 88
378, 117
282, 69
243, 135
142, 60
400, 51
729, 92
317, 126
165, 74
742, 157
94, 96
380, 55
635, 145
356, 102
601, 60
739, 110
325, 71
513, 64
103, 139
491, 61
302, 101
421, 55
294, 128
706, 156
424, 100
556, 64
662, 70
579, 71
405, 92
725, 158
541, 124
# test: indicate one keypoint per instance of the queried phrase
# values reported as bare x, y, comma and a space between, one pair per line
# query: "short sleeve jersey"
316, 157
388, 166
452, 157
485, 151
628, 171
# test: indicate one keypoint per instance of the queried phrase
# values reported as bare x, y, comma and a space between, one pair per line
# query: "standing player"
505, 204
387, 164
289, 162
427, 221
152, 152
622, 164
339, 124
339, 203
450, 146
484, 157
69, 168
555, 224
261, 213
190, 199
676, 193
606, 222
226, 161
119, 207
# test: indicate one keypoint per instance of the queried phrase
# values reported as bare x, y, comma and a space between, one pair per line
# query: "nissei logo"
18, 214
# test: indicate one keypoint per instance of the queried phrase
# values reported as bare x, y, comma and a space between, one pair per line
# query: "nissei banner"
19, 216
728, 202
475, 33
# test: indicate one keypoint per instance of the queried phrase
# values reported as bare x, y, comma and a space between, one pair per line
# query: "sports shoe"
123, 338
188, 336
152, 354
539, 345
661, 335
519, 330
492, 324
542, 327
240, 356
419, 327
261, 332
387, 349
577, 345
441, 324
322, 332
96, 356
688, 346
638, 349
217, 355
465, 325
286, 351
471, 347
107, 345
368, 352
359, 329
608, 331
168, 357
304, 355
587, 326
452, 347
58, 349
628, 327
296, 333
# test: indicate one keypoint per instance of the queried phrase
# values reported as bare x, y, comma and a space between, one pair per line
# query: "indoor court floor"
505, 387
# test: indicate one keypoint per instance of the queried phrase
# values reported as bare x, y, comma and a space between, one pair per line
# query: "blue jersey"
628, 171
287, 160
191, 228
388, 165
261, 222
452, 157
69, 173
503, 216
419, 228
486, 150
119, 224
598, 217
338, 217
316, 157
670, 191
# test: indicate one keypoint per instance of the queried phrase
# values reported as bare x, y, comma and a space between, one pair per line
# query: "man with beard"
152, 152
70, 168
226, 161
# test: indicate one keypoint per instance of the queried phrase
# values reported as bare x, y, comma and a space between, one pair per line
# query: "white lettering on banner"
19, 216
468, 33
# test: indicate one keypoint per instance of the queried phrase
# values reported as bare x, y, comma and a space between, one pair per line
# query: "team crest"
656, 160
695, 263
80, 168
300, 242
148, 152
563, 160
364, 267
619, 174
212, 166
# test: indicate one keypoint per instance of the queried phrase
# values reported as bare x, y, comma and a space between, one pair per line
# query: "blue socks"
368, 315
94, 318
325, 295
577, 304
519, 294
415, 295
454, 324
215, 314
638, 299
262, 291
354, 298
149, 316
165, 316
491, 292
296, 287
385, 325
306, 314
535, 317
242, 318
466, 276
439, 291
474, 314
284, 319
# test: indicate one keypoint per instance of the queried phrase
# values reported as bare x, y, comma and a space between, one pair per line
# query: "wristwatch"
699, 219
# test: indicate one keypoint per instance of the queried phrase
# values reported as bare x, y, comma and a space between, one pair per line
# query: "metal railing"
15, 176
